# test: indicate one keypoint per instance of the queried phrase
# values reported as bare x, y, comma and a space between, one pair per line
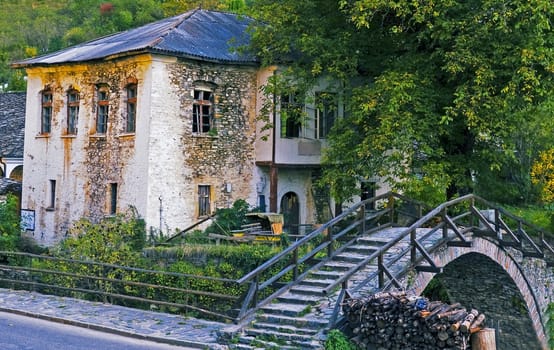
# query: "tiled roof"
12, 124
199, 34
9, 186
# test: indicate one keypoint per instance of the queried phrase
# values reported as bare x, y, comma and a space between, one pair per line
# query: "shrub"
9, 224
336, 340
228, 219
114, 240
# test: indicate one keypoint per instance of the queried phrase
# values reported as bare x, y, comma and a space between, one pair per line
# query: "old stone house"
12, 133
162, 118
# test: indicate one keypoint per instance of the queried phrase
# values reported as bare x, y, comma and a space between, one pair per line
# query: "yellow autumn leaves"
542, 174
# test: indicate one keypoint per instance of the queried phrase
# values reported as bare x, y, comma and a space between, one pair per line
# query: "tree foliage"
451, 93
542, 174
30, 27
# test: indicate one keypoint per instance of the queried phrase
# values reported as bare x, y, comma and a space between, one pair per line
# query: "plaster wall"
82, 165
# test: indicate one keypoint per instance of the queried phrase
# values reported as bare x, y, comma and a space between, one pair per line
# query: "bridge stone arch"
499, 282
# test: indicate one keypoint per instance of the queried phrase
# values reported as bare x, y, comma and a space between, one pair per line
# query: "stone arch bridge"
480, 255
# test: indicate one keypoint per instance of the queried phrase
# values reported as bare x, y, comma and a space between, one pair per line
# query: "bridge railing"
312, 250
455, 222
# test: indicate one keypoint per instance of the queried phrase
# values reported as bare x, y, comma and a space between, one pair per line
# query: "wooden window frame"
204, 200
73, 102
131, 112
46, 111
203, 111
102, 109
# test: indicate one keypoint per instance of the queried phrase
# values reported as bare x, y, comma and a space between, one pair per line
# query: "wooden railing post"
330, 240
391, 209
471, 217
497, 225
413, 248
444, 223
295, 262
381, 271
363, 217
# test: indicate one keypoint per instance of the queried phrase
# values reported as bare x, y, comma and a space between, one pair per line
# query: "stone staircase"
298, 318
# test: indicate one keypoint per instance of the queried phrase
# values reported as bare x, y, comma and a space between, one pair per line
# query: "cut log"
484, 340
464, 327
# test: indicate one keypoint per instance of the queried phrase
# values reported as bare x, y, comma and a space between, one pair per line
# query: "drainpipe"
273, 171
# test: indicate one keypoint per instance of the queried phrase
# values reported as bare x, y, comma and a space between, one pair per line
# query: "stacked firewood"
397, 321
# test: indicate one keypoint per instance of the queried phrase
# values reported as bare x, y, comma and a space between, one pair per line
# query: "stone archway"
489, 279
16, 173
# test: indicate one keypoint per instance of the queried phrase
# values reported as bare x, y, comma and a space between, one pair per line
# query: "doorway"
290, 208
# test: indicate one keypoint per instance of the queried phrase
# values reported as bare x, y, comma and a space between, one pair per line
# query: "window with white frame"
292, 113
326, 113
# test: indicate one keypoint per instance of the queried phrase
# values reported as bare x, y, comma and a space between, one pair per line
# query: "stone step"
288, 329
371, 241
323, 274
361, 249
295, 298
307, 290
286, 309
318, 282
349, 257
301, 322
247, 342
337, 266
283, 339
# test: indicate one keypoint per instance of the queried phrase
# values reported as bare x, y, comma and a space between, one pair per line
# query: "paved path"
155, 326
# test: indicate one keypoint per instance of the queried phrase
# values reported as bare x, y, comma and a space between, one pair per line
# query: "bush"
228, 219
9, 224
114, 240
336, 340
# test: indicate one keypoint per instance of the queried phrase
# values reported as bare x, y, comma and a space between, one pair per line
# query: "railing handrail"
114, 266
296, 245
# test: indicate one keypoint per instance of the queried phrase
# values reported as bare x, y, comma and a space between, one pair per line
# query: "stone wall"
513, 291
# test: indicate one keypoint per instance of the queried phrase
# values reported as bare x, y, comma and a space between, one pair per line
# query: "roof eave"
126, 54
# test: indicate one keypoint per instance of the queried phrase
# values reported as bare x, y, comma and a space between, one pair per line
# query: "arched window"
46, 112
102, 108
72, 111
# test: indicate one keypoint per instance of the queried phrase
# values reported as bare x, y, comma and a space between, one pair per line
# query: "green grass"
536, 215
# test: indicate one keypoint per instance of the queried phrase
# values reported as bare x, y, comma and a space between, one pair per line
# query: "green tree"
29, 27
445, 93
